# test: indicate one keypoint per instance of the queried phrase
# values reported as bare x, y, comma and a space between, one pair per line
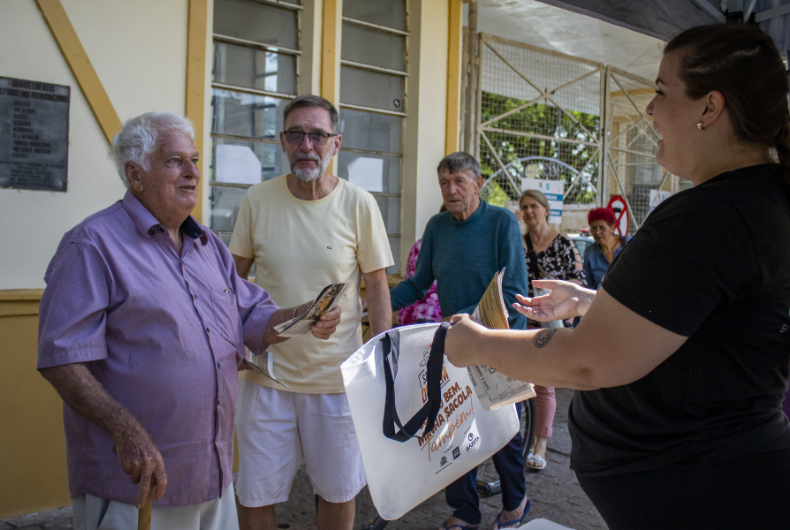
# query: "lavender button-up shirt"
163, 334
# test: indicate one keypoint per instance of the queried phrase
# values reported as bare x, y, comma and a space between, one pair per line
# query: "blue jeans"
462, 495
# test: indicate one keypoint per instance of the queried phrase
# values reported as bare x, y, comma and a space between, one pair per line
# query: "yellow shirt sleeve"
241, 243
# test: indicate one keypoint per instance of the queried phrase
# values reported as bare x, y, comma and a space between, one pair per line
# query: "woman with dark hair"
550, 256
601, 254
683, 354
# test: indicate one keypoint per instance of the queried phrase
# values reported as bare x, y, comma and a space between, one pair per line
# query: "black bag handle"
532, 259
430, 410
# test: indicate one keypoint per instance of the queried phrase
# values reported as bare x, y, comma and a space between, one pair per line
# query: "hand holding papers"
326, 301
493, 388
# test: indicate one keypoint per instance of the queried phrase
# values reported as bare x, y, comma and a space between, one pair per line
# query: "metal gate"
539, 117
544, 114
630, 148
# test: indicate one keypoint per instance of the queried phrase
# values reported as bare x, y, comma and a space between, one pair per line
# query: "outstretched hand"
566, 300
326, 325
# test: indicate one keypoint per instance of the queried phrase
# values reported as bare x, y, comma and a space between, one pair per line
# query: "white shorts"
274, 428
93, 513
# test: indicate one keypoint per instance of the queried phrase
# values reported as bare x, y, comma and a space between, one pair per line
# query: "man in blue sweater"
462, 249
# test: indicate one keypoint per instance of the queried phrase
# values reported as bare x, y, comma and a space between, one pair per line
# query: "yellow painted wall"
32, 443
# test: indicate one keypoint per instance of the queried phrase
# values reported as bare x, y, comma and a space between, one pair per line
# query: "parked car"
581, 241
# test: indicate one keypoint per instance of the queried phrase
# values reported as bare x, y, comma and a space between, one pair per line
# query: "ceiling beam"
748, 11
710, 10
772, 13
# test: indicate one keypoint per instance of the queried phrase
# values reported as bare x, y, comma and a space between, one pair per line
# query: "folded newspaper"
326, 302
265, 368
494, 389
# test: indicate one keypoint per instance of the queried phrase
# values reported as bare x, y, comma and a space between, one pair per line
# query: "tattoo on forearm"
543, 337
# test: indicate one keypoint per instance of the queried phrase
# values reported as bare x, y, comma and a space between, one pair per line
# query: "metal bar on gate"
517, 189
569, 83
603, 110
581, 171
636, 124
661, 184
542, 51
624, 131
641, 132
622, 189
626, 94
631, 151
522, 76
540, 136
630, 164
512, 111
571, 116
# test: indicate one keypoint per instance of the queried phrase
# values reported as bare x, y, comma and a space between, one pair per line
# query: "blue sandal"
516, 522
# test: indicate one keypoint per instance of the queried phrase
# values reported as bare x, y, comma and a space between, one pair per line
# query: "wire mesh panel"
630, 147
540, 117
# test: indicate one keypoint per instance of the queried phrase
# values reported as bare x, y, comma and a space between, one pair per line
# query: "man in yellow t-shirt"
303, 231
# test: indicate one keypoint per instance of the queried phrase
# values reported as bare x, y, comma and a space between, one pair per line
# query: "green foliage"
545, 120
493, 194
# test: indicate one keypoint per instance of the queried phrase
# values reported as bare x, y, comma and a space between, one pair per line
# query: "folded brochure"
495, 389
326, 301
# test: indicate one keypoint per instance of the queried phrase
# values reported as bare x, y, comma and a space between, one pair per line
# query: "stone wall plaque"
34, 135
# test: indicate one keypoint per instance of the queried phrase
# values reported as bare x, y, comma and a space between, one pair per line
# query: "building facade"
392, 67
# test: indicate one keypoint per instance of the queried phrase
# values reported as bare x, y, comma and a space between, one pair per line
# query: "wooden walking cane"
144, 516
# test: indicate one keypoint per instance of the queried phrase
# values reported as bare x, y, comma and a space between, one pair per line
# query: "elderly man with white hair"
142, 329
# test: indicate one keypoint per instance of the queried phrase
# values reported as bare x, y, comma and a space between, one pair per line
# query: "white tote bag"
395, 384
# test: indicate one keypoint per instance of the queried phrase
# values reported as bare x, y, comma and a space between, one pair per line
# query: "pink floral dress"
427, 309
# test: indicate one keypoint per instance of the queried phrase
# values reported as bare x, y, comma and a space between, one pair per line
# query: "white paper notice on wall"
554, 190
657, 197
367, 173
237, 164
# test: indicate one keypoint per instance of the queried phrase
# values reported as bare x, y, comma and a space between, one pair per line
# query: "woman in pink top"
425, 310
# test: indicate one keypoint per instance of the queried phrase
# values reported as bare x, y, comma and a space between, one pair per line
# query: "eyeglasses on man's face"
316, 138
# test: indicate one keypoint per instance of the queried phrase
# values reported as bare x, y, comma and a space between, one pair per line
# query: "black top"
558, 262
711, 263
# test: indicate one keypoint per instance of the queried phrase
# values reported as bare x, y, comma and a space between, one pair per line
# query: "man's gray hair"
460, 161
140, 136
311, 101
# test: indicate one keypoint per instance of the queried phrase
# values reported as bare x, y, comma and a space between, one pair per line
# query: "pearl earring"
699, 126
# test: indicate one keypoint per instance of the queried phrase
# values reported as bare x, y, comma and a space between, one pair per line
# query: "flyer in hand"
265, 368
493, 388
326, 302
